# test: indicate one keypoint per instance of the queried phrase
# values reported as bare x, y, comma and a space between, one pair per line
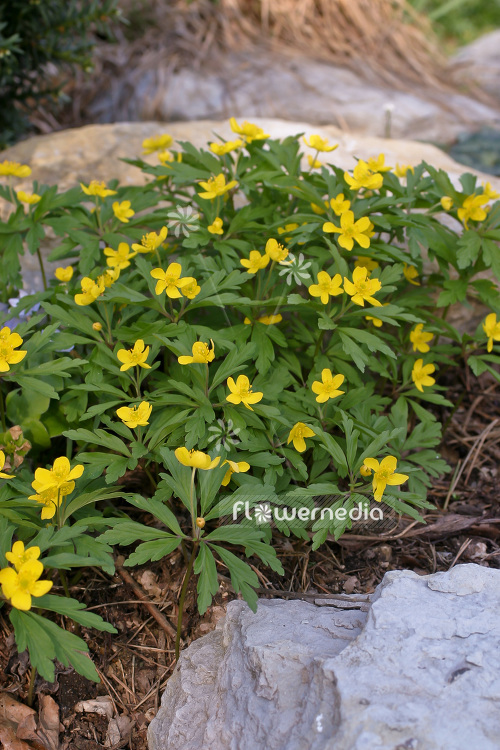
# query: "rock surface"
265, 83
419, 671
480, 61
94, 151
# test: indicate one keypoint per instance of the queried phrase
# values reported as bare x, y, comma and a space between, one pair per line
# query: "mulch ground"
135, 664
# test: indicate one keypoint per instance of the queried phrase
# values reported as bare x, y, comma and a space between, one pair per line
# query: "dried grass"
383, 41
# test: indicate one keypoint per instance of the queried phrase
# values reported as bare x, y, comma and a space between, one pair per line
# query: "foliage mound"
35, 35
240, 339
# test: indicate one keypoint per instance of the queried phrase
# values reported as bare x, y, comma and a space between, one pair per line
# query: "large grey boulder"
419, 671
480, 61
265, 83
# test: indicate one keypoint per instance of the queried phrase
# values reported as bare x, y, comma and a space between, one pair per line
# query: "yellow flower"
2, 464
91, 290
20, 555
195, 459
376, 321
8, 342
270, 320
446, 202
64, 274
134, 357
255, 262
319, 209
378, 164
313, 163
327, 387
157, 143
97, 326
362, 288
400, 170
216, 186
384, 473
109, 276
248, 130
225, 148
410, 273
339, 204
165, 156
216, 227
170, 280
200, 522
364, 262
135, 416
52, 498
241, 392
122, 211
421, 374
419, 338
59, 476
151, 241
326, 287
298, 432
319, 144
190, 287
20, 586
201, 354
363, 177
288, 228
488, 192
119, 258
29, 198
14, 169
365, 471
473, 209
351, 230
491, 327
276, 251
97, 187
235, 467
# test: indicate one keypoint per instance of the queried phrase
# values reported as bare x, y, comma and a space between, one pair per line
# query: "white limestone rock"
419, 671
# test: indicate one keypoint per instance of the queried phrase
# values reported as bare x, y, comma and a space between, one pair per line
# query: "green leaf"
75, 610
469, 245
152, 551
208, 584
243, 577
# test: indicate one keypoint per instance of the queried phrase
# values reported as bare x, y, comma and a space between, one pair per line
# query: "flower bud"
97, 326
200, 522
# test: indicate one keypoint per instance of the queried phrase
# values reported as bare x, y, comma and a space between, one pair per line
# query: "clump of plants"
240, 333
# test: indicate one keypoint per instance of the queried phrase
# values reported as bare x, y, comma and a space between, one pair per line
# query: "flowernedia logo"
319, 512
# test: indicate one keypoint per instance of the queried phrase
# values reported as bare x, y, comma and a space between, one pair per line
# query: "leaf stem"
31, 687
42, 269
183, 595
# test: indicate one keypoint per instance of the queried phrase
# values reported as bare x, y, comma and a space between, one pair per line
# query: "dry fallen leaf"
13, 710
8, 739
48, 722
101, 705
148, 581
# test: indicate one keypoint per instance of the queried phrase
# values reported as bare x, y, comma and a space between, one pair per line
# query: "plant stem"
183, 597
2, 412
64, 581
42, 269
31, 687
192, 502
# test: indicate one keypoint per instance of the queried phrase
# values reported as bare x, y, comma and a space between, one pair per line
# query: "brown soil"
136, 663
